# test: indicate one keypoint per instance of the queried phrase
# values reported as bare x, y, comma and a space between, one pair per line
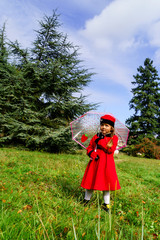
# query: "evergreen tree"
16, 102
7, 77
39, 87
3, 49
145, 103
60, 72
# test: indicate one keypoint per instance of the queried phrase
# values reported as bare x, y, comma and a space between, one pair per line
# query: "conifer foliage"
145, 102
39, 87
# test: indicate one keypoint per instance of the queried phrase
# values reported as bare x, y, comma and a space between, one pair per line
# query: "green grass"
41, 198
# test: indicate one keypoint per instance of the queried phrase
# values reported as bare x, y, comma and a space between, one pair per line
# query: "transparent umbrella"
87, 125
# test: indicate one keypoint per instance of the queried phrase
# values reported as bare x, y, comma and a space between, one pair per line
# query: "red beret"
108, 119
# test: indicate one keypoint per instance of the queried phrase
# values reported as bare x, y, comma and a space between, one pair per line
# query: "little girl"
100, 173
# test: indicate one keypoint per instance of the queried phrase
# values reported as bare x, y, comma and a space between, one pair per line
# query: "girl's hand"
94, 156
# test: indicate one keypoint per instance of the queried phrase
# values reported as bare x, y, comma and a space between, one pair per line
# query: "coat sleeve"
113, 148
91, 147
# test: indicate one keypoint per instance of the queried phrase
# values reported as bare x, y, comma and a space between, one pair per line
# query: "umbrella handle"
97, 158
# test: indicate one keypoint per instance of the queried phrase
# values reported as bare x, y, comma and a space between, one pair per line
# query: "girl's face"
105, 128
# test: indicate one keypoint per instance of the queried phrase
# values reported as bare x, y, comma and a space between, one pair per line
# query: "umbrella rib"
77, 134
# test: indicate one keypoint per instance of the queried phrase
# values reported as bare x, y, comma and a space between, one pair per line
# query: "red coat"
101, 174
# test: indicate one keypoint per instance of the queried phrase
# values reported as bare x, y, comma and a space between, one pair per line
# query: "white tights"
106, 195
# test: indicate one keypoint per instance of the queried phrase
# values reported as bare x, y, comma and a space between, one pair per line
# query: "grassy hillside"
41, 198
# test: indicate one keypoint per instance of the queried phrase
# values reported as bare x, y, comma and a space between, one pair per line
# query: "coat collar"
101, 136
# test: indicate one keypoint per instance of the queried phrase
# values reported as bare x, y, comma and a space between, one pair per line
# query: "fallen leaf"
19, 211
83, 234
3, 188
60, 235
155, 236
31, 172
86, 209
27, 207
66, 230
3, 200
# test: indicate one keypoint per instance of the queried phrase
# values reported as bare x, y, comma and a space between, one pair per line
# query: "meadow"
41, 198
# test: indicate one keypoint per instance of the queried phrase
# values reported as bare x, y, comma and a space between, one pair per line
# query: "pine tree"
38, 89
60, 72
16, 103
145, 102
7, 77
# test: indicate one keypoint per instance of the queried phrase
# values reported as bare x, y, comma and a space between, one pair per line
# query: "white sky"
115, 37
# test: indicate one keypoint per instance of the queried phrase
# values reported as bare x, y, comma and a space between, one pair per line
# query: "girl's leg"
106, 196
88, 194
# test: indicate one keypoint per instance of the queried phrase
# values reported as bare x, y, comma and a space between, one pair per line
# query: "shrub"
148, 148
157, 152
129, 150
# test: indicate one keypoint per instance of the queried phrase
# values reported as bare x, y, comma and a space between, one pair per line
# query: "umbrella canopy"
87, 125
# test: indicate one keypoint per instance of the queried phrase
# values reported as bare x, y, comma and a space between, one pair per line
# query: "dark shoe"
105, 207
85, 202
